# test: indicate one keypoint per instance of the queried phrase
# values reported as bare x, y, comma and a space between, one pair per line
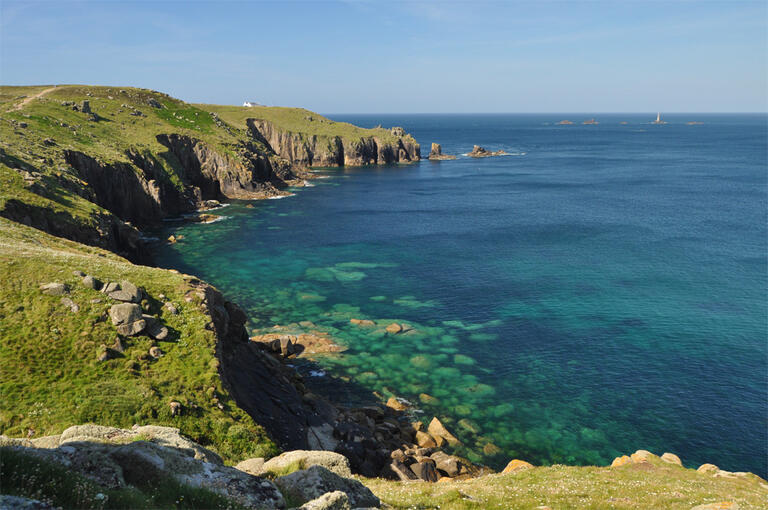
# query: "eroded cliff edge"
313, 150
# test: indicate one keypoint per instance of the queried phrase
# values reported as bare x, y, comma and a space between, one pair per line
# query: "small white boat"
658, 119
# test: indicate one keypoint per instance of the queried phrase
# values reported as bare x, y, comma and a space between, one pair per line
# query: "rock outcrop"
480, 152
327, 151
117, 458
436, 153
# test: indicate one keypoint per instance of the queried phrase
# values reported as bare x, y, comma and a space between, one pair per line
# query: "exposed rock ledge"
119, 458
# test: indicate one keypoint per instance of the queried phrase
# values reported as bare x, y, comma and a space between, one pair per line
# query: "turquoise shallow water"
601, 290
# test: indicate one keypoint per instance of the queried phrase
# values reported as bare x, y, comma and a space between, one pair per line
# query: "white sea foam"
308, 184
317, 373
278, 197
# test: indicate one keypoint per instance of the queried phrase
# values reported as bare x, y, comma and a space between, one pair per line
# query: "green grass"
629, 487
31, 477
52, 379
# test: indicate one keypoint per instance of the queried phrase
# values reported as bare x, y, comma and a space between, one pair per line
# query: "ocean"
601, 289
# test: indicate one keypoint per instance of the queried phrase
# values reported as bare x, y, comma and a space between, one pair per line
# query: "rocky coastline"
436, 153
327, 446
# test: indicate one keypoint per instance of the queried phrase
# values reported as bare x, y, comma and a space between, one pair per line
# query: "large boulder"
302, 459
171, 437
94, 434
335, 500
127, 317
125, 313
253, 466
309, 484
141, 461
516, 465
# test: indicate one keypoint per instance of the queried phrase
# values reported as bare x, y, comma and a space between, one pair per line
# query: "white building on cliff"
251, 103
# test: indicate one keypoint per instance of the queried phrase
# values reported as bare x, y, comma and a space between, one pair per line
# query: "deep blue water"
602, 289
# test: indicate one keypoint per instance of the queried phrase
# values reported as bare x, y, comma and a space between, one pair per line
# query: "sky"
358, 56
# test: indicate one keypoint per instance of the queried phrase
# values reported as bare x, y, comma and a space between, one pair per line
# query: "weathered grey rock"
14, 441
309, 484
171, 437
154, 103
54, 288
19, 503
127, 292
335, 500
253, 466
125, 313
332, 461
78, 273
46, 441
142, 460
155, 352
131, 329
93, 433
110, 287
171, 308
671, 458
91, 282
118, 346
85, 106
74, 307
154, 328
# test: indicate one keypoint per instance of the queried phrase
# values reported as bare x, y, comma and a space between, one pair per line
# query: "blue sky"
406, 56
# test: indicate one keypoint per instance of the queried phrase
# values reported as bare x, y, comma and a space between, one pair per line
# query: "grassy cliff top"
51, 376
296, 120
643, 486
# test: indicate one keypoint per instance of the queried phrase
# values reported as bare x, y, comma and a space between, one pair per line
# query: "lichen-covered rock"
621, 461
671, 458
253, 466
54, 288
721, 505
125, 313
93, 433
708, 469
517, 465
91, 282
309, 484
335, 500
127, 292
642, 456
425, 440
332, 461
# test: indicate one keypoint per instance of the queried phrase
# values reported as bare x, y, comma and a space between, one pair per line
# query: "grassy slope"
296, 120
107, 140
636, 487
51, 378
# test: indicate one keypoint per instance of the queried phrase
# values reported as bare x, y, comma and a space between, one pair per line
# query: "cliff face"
218, 176
141, 191
322, 151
